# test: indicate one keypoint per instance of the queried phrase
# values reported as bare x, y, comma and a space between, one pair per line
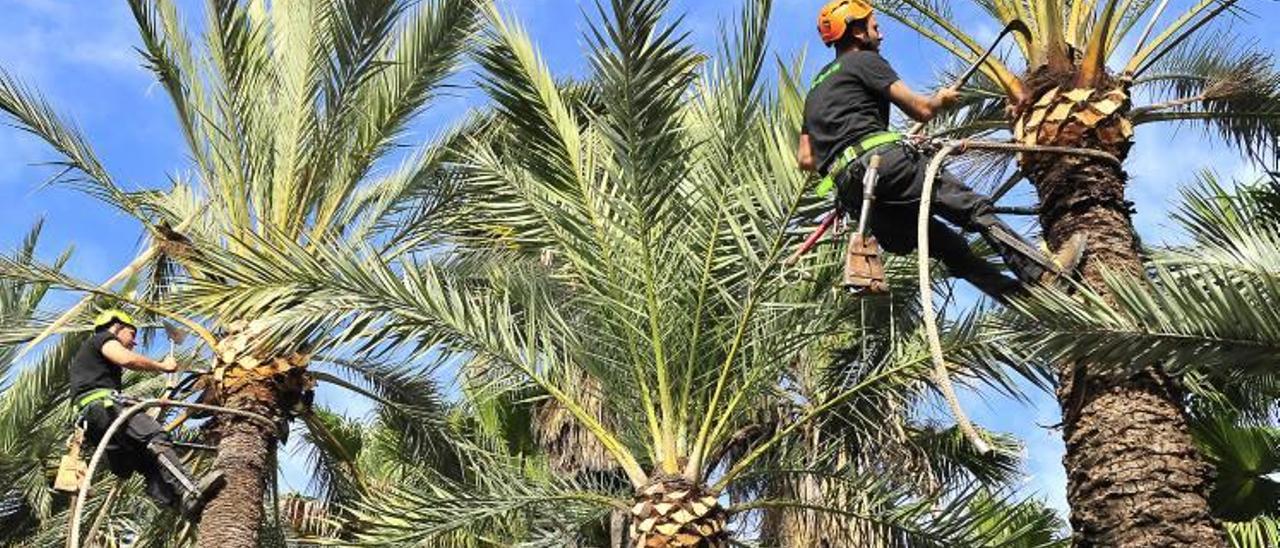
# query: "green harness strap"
851, 154
93, 396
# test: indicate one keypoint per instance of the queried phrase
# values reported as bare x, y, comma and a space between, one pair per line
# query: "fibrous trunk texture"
1134, 478
271, 384
233, 519
671, 512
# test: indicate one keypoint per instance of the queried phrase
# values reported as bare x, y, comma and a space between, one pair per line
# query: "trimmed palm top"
1076, 87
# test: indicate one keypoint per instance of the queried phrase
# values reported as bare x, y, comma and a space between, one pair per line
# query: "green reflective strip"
880, 139
825, 185
851, 154
826, 73
93, 396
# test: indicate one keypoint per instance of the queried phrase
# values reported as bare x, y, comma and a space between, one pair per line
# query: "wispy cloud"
45, 37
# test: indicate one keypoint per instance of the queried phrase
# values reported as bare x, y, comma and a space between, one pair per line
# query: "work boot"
193, 502
1067, 259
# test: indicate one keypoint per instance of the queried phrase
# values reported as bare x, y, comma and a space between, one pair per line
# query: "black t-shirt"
849, 100
91, 370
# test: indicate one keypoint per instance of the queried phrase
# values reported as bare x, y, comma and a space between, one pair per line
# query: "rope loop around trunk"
948, 147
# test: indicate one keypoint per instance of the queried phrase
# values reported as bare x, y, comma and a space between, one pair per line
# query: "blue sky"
81, 56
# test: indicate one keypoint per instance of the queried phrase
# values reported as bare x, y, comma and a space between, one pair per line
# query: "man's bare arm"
919, 107
116, 353
804, 154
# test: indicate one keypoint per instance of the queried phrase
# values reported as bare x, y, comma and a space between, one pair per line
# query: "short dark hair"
848, 41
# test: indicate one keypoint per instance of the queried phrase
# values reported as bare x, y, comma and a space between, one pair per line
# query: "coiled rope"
941, 376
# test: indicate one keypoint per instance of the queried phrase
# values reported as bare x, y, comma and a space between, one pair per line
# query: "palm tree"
621, 260
286, 110
25, 405
1077, 88
1206, 316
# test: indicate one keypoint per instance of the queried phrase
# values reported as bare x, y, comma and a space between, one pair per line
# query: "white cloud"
43, 37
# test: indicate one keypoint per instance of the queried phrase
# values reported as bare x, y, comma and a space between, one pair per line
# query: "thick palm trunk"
804, 528
790, 527
1134, 477
233, 519
271, 386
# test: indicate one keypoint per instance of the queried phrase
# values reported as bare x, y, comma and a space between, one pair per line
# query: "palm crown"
1108, 45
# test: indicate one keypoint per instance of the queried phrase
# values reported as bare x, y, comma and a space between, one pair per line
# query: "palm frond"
79, 165
1261, 532
414, 61
334, 447
508, 505
19, 301
350, 292
1185, 27
1243, 456
974, 517
1213, 319
955, 461
1231, 89
169, 55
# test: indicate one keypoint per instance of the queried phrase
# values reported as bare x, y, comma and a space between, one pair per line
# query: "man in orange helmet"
846, 122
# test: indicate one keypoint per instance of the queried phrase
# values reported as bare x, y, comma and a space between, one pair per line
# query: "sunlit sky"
81, 56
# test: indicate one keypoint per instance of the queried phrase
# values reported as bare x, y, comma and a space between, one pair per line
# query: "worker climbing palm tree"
142, 445
846, 123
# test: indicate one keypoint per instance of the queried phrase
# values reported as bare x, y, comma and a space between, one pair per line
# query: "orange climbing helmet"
837, 15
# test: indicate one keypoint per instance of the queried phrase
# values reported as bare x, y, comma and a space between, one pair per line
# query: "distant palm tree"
286, 110
1065, 94
27, 403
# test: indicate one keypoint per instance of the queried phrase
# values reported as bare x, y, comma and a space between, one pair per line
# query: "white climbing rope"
73, 540
941, 376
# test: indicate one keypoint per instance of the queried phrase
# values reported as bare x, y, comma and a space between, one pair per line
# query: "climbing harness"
843, 160
852, 154
73, 539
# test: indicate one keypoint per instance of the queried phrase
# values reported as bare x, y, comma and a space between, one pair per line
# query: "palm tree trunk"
617, 529
233, 519
1134, 477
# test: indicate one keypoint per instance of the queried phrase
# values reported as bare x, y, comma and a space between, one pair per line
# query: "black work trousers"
897, 208
140, 445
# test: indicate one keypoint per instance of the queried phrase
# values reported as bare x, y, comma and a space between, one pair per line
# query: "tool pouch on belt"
863, 269
71, 468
